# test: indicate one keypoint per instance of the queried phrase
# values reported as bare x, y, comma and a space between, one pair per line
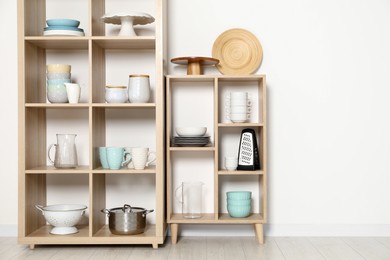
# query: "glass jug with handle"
65, 151
189, 195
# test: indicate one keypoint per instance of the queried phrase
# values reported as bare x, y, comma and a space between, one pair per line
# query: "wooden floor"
214, 248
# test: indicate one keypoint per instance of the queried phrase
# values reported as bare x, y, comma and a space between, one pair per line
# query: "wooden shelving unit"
222, 131
34, 50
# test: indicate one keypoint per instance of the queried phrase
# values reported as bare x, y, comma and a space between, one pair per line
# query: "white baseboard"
271, 230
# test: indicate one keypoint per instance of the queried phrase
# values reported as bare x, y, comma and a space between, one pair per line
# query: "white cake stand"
127, 21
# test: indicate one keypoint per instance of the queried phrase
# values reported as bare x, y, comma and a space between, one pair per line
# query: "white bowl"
63, 217
191, 131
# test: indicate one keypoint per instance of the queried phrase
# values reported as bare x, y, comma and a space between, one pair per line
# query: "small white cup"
73, 91
141, 157
231, 163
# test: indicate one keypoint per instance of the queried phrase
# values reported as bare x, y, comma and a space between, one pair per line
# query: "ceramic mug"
141, 157
130, 165
231, 163
73, 90
103, 157
116, 157
139, 88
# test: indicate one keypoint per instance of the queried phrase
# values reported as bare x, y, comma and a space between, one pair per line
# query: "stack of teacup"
239, 203
57, 76
237, 107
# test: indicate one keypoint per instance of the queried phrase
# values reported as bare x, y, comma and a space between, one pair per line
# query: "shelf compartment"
148, 170
150, 232
125, 105
115, 42
240, 125
62, 105
225, 172
224, 218
83, 169
255, 218
42, 235
58, 42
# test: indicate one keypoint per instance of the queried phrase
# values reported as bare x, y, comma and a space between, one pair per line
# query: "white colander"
63, 217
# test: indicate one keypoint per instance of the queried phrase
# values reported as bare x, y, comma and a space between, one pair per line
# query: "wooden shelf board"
58, 42
241, 77
116, 42
149, 170
240, 124
52, 170
254, 218
183, 78
62, 105
225, 172
125, 105
193, 149
223, 218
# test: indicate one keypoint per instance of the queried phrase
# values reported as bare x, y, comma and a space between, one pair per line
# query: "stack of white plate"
58, 27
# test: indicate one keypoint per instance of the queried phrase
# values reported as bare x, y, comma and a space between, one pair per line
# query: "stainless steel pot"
126, 220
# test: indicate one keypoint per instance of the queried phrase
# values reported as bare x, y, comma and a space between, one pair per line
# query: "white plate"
63, 32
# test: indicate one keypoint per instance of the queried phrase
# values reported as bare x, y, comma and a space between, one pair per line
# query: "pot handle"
147, 212
40, 208
106, 211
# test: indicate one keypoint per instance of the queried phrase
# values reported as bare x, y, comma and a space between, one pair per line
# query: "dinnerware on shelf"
191, 141
116, 157
127, 21
66, 28
190, 131
116, 94
195, 64
57, 81
73, 91
57, 93
239, 195
58, 75
142, 157
63, 22
139, 88
63, 33
242, 211
231, 163
58, 68
103, 157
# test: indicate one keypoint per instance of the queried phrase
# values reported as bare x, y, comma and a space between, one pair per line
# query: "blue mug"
103, 157
116, 157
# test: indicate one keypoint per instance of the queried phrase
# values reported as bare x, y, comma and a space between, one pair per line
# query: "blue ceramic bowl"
57, 75
68, 28
239, 211
239, 202
239, 195
63, 22
57, 81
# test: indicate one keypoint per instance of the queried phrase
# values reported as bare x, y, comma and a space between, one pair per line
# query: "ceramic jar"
116, 94
139, 88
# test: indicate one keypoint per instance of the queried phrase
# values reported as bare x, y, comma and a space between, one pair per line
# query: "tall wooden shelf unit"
225, 136
33, 122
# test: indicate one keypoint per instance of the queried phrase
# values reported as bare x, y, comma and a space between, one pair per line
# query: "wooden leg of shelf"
155, 245
32, 246
259, 233
174, 229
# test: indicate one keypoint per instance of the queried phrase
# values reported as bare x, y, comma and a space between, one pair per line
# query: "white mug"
141, 157
231, 163
73, 91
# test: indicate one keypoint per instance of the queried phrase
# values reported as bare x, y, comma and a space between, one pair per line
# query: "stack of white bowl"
57, 75
238, 107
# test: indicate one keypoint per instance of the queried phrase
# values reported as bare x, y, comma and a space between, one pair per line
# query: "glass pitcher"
189, 195
65, 152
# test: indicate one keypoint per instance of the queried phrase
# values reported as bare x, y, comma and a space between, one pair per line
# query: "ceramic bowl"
61, 68
239, 211
63, 22
239, 195
57, 81
191, 131
233, 202
58, 75
57, 93
68, 28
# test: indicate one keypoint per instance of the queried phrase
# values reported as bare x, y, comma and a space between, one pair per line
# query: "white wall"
327, 68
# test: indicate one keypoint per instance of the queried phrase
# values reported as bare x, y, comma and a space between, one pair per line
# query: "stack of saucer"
67, 27
195, 141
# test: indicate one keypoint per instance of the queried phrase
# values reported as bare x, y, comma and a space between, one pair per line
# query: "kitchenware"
127, 21
63, 22
231, 163
239, 52
248, 154
139, 88
239, 195
57, 93
190, 131
191, 141
130, 165
238, 95
116, 157
126, 220
195, 64
73, 91
57, 75
69, 28
235, 202
242, 211
238, 117
103, 157
189, 195
63, 32
141, 157
65, 151
61, 68
116, 94
57, 81
63, 217
238, 109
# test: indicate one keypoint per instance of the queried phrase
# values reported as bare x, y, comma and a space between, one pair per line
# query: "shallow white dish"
63, 33
190, 131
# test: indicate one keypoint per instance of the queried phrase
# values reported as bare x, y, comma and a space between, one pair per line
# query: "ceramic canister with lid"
139, 88
116, 94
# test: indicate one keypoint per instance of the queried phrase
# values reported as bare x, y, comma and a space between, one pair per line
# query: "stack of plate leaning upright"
58, 27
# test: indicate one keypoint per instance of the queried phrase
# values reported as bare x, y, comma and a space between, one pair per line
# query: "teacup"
116, 157
141, 157
103, 157
231, 163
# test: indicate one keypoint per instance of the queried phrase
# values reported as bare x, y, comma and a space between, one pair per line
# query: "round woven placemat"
239, 52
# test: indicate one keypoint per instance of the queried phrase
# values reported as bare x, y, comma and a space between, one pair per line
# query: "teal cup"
116, 157
103, 157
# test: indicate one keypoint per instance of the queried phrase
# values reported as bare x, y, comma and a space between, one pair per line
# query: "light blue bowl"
58, 75
239, 195
68, 28
239, 202
57, 81
239, 211
57, 93
63, 22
